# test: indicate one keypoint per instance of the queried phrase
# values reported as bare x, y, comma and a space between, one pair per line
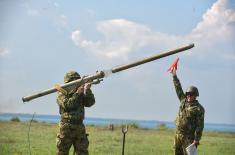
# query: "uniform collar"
192, 104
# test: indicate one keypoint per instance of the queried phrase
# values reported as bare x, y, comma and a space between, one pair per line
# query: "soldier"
71, 108
190, 118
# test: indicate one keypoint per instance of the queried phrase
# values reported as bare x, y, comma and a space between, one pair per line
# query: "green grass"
14, 140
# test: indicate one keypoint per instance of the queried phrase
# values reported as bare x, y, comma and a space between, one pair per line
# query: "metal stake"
124, 131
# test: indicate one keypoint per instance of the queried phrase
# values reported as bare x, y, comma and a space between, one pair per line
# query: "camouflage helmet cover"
192, 90
70, 76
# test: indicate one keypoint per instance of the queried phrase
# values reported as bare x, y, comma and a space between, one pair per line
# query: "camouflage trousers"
69, 135
181, 142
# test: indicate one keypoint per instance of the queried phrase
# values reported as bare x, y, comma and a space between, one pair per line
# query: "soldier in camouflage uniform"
190, 118
71, 108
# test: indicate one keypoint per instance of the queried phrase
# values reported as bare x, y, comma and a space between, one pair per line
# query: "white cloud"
215, 34
3, 51
217, 23
122, 36
79, 41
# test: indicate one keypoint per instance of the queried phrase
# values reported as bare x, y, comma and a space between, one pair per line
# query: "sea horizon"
99, 121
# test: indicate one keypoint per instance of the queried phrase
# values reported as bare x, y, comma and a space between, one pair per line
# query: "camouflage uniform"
72, 130
189, 121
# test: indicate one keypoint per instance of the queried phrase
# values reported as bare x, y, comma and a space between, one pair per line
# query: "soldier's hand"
86, 87
173, 72
80, 89
196, 143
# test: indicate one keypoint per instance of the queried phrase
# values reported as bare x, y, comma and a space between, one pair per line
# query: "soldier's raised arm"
178, 87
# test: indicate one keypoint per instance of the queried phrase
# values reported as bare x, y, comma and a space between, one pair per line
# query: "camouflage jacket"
190, 118
71, 106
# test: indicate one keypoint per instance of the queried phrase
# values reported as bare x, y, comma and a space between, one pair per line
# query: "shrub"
15, 119
134, 125
162, 126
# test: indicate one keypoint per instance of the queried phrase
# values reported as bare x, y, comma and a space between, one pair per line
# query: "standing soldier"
190, 118
71, 108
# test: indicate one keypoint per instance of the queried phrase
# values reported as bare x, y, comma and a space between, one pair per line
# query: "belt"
71, 121
183, 131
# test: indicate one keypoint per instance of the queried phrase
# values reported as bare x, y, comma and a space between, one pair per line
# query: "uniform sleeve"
199, 124
89, 99
178, 88
68, 101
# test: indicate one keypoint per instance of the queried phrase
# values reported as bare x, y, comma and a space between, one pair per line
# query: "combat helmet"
70, 76
192, 90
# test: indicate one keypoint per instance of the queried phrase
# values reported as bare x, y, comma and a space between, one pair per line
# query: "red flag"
174, 65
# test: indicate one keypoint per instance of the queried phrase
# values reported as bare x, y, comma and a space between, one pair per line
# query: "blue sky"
41, 40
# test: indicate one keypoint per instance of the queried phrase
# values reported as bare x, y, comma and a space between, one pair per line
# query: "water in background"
106, 121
